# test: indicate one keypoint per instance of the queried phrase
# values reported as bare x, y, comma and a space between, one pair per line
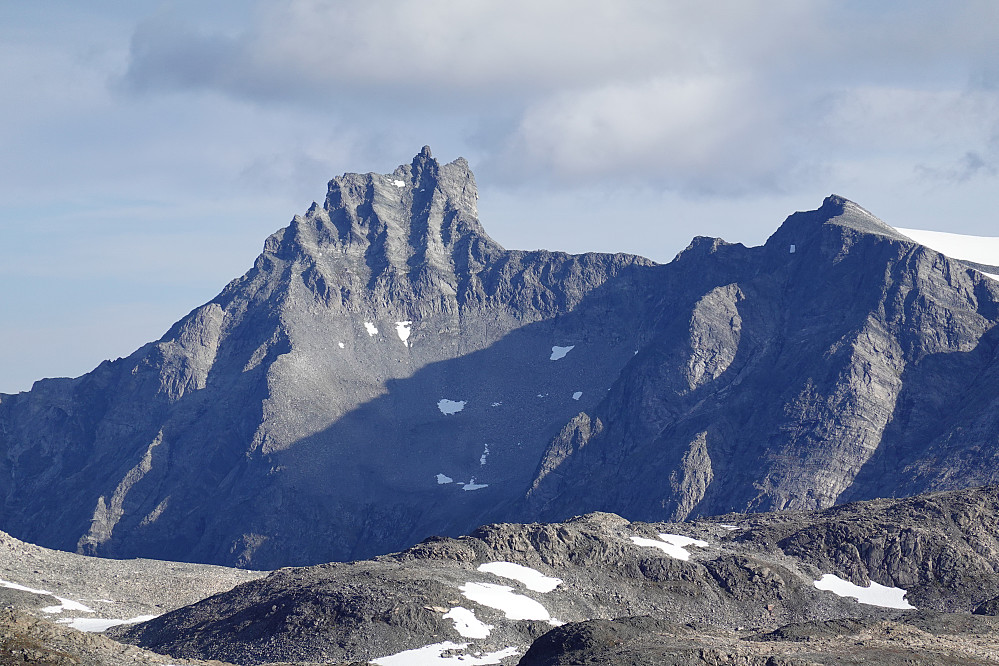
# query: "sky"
147, 149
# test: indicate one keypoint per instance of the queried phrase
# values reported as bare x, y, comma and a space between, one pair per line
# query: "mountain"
839, 361
601, 590
386, 372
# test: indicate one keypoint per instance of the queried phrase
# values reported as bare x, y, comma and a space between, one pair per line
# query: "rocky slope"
94, 593
53, 605
921, 639
25, 639
742, 587
839, 361
388, 372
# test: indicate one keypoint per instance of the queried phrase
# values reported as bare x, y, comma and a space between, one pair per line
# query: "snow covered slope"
978, 249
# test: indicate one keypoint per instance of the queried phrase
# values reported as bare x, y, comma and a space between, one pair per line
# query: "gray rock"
291, 420
752, 583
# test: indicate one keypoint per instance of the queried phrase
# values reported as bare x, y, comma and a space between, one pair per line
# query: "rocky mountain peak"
836, 224
846, 213
416, 224
416, 204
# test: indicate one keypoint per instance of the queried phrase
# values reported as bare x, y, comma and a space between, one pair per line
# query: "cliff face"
386, 371
382, 373
839, 361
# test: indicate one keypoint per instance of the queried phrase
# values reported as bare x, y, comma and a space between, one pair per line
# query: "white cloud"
730, 97
702, 134
160, 149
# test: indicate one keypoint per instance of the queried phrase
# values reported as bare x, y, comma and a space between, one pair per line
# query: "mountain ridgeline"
386, 371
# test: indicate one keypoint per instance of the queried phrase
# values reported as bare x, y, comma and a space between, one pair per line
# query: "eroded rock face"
855, 367
386, 371
302, 416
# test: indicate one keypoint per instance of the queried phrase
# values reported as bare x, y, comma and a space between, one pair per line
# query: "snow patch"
64, 604
67, 605
472, 485
503, 598
97, 625
674, 545
577, 395
532, 579
792, 248
496, 404
443, 479
560, 352
466, 624
730, 528
433, 655
482, 458
22, 588
980, 249
874, 595
341, 345
399, 183
402, 328
370, 328
451, 406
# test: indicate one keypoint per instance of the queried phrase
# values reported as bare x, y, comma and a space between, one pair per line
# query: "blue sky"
148, 148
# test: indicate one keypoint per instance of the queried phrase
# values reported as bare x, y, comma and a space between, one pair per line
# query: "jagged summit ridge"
412, 232
421, 207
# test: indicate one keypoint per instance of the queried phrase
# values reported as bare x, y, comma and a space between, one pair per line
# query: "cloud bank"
729, 98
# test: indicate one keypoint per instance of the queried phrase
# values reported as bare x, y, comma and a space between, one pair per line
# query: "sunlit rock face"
386, 372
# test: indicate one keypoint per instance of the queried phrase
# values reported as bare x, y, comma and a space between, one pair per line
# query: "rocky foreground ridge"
597, 589
741, 581
389, 372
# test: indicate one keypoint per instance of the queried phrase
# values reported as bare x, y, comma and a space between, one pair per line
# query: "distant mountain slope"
839, 361
386, 371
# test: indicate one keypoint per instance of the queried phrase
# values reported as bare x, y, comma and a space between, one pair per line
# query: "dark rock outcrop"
747, 593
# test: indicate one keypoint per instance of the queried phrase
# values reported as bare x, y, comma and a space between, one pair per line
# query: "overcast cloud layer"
148, 150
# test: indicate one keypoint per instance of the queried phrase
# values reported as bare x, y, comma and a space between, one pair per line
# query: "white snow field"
399, 183
674, 545
503, 598
403, 329
472, 485
577, 395
560, 352
466, 624
67, 605
874, 595
433, 655
370, 328
97, 625
979, 249
532, 579
451, 406
22, 588
64, 604
444, 478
